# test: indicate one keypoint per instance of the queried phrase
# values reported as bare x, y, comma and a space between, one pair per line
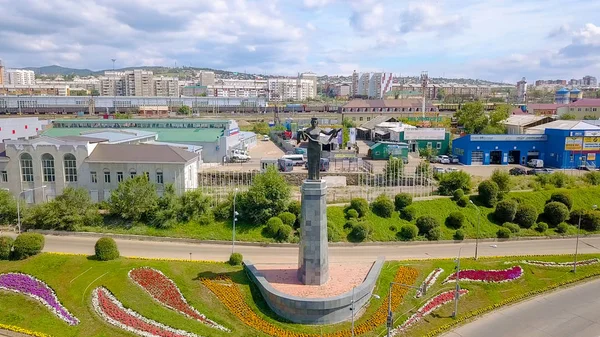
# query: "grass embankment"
74, 277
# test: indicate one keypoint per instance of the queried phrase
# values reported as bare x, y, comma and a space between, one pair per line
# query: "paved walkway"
573, 312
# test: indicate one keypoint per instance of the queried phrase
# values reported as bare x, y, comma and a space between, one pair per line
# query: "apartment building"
206, 78
294, 89
19, 77
1, 73
165, 86
312, 77
141, 83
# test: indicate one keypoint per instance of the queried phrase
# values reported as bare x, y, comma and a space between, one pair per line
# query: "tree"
495, 126
184, 110
261, 128
502, 179
134, 199
168, 208
8, 208
450, 182
195, 206
568, 116
267, 196
590, 117
472, 117
393, 170
488, 192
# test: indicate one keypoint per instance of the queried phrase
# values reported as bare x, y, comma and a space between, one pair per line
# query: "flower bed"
429, 307
559, 264
233, 299
491, 276
22, 331
429, 280
113, 312
166, 292
30, 286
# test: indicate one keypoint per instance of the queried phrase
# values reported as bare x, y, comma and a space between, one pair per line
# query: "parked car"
536, 163
433, 159
537, 171
517, 171
454, 159
452, 169
444, 159
266, 139
439, 170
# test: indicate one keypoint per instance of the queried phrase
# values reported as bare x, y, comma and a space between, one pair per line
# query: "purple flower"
32, 287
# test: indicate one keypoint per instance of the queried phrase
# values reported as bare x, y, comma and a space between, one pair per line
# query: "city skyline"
498, 40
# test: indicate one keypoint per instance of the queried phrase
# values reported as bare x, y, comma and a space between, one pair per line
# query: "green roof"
179, 135
123, 121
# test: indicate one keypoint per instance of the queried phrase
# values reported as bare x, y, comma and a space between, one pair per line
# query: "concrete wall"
316, 310
15, 128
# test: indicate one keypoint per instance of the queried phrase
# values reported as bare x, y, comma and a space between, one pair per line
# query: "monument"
313, 265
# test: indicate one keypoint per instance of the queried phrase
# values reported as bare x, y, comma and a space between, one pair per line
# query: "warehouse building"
560, 144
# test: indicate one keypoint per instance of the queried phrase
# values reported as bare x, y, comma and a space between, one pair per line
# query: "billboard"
425, 134
591, 143
352, 136
573, 143
509, 137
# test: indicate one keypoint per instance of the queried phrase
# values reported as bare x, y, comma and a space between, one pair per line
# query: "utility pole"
424, 83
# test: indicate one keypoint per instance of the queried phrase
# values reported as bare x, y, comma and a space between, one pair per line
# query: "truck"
282, 165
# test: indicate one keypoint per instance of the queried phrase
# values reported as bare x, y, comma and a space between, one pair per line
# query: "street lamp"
352, 307
457, 289
477, 236
19, 205
577, 242
235, 214
390, 318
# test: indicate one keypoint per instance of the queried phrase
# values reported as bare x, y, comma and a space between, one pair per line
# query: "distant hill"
58, 70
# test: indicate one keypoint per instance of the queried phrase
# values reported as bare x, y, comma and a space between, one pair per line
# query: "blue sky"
500, 40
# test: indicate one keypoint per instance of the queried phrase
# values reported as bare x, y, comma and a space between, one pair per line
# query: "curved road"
572, 312
337, 254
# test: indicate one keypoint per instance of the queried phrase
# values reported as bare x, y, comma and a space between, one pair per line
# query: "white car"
439, 170
452, 169
266, 139
444, 159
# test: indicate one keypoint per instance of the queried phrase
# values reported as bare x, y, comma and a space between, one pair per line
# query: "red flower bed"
494, 276
164, 290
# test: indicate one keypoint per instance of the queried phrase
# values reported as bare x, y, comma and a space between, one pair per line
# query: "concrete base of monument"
329, 303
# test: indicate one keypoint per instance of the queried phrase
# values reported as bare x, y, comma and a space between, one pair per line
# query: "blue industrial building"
572, 147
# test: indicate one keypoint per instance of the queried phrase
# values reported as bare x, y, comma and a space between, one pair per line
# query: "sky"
499, 40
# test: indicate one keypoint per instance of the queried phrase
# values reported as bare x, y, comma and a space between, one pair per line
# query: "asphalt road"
573, 312
272, 254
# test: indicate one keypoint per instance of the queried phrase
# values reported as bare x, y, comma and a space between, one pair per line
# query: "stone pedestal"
313, 265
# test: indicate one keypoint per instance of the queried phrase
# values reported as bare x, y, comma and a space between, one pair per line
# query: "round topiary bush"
360, 232
456, 195
284, 232
287, 218
408, 213
455, 220
434, 234
360, 205
350, 224
526, 215
513, 227
6, 243
27, 244
575, 215
506, 211
555, 212
503, 233
402, 200
235, 259
591, 221
106, 249
426, 223
488, 192
563, 198
273, 225
382, 206
352, 214
562, 228
463, 201
459, 235
408, 232
541, 227
295, 208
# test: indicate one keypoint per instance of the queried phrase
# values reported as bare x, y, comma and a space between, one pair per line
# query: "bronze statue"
312, 134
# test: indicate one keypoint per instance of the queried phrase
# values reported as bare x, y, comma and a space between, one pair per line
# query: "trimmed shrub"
235, 259
463, 201
488, 192
555, 212
457, 194
562, 228
450, 182
352, 214
563, 198
575, 215
426, 223
360, 232
223, 211
541, 227
287, 218
408, 213
408, 232
350, 224
434, 234
526, 215
284, 232
360, 205
273, 226
6, 243
502, 179
512, 227
295, 208
560, 179
382, 206
591, 221
106, 249
459, 235
592, 178
455, 220
506, 211
27, 244
503, 233
402, 200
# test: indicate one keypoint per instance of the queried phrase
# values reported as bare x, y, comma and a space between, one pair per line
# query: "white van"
537, 163
297, 159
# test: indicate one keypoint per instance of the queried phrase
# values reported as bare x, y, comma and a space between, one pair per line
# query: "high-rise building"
165, 86
311, 77
19, 77
354, 87
374, 85
296, 89
590, 81
522, 90
1, 73
139, 83
206, 78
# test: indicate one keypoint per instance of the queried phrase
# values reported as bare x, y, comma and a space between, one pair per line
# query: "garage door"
477, 158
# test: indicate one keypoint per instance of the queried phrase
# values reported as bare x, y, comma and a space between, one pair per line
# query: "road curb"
274, 244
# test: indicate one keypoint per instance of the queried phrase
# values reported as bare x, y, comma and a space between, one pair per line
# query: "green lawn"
74, 277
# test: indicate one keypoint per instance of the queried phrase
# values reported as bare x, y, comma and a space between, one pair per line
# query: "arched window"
70, 168
48, 167
26, 167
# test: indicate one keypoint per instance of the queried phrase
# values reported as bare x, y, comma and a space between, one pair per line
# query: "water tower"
562, 96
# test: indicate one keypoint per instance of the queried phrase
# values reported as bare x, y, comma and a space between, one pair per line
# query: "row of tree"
474, 119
